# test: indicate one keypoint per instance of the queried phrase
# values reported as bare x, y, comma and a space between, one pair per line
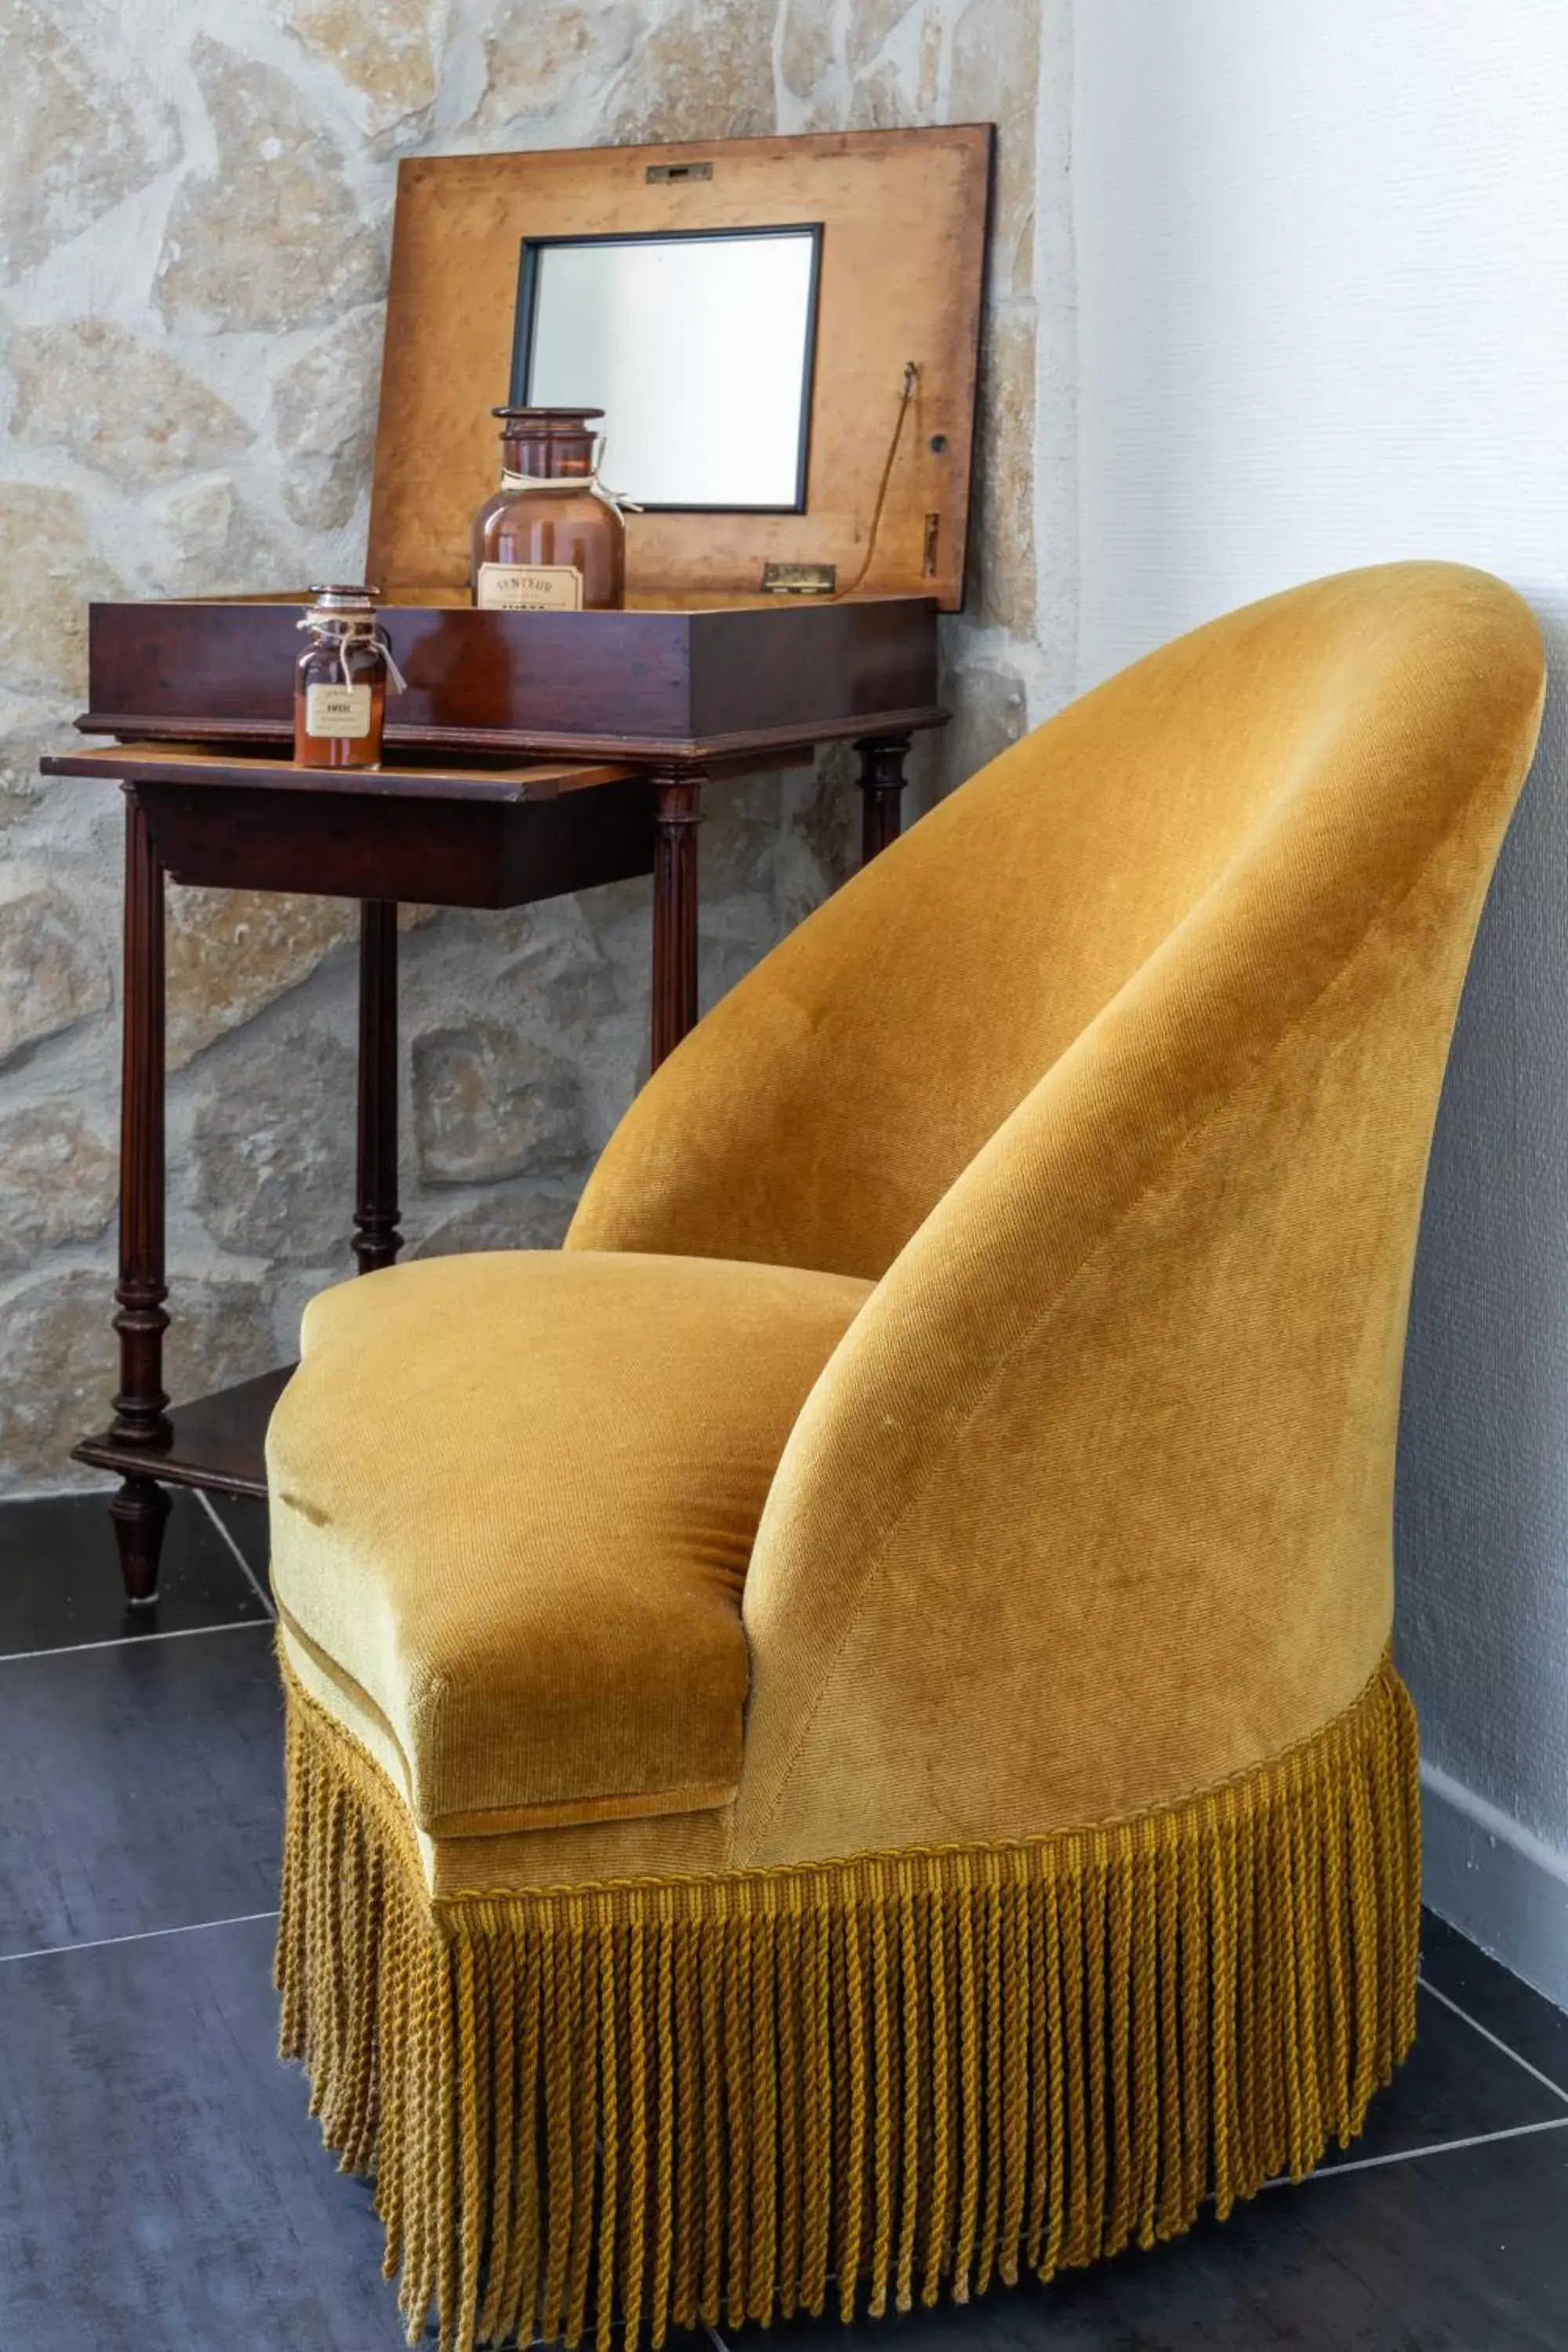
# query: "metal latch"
799, 579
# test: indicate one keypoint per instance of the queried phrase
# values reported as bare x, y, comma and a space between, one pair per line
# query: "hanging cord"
912, 379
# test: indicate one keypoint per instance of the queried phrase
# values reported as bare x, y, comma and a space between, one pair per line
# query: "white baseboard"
1497, 1882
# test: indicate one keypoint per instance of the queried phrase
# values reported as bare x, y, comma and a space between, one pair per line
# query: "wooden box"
708, 685
701, 664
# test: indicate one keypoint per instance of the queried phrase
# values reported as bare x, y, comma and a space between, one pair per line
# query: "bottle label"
341, 712
530, 588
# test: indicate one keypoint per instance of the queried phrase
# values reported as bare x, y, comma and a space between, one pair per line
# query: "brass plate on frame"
799, 579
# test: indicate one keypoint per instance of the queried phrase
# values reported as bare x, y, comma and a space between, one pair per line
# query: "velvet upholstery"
563, 1643
1118, 1075
1246, 799
937, 1507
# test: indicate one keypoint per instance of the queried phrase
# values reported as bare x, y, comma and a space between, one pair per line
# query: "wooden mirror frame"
904, 217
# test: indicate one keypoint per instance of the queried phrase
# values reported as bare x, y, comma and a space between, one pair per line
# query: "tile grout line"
1409, 2155
1495, 2039
204, 1499
144, 1936
139, 1641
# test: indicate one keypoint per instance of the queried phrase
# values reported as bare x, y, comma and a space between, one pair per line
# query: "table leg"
678, 812
141, 1508
376, 1240
882, 785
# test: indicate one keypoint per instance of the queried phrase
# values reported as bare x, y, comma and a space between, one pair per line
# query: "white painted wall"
1322, 320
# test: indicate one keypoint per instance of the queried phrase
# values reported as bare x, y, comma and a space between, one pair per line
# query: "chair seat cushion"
513, 1498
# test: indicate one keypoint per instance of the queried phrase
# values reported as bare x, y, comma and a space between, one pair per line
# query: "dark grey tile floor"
162, 2185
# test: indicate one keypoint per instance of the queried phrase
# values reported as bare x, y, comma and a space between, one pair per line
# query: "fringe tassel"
675, 2101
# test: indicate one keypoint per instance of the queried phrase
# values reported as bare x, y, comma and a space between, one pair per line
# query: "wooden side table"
469, 833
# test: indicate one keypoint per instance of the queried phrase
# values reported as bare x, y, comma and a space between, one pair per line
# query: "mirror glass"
698, 348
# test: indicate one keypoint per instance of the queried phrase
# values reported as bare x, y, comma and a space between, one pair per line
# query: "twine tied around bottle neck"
616, 500
343, 629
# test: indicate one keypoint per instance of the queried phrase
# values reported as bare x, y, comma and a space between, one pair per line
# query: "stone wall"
195, 201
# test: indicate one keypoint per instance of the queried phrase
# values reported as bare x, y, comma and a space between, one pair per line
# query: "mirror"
698, 349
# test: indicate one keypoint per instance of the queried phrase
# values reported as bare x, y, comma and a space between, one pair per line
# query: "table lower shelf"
217, 1442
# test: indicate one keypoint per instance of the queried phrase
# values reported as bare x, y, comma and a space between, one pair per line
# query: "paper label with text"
530, 588
338, 711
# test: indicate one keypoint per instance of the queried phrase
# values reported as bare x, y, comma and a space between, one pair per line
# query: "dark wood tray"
728, 681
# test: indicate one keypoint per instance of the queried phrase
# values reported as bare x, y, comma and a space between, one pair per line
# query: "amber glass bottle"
340, 681
549, 540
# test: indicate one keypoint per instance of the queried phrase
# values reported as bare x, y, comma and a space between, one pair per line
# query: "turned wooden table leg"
677, 814
881, 788
141, 1508
376, 1240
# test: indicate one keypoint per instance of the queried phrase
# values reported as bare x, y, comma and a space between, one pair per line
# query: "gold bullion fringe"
668, 2101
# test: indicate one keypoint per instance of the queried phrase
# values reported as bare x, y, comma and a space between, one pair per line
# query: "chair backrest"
1281, 755
1119, 1074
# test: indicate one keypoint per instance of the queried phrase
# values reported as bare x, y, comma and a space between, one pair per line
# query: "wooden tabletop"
398, 777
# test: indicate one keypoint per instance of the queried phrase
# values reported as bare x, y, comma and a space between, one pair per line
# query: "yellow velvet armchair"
842, 1740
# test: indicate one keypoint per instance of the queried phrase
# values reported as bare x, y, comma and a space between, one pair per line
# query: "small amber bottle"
340, 681
550, 540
